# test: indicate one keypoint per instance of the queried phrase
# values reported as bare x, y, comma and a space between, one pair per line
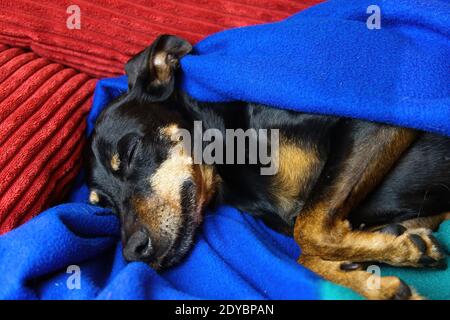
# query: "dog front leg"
322, 228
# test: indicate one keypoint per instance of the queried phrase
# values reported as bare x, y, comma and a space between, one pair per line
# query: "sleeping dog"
350, 192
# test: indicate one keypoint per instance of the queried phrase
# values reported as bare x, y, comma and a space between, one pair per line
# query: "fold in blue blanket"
322, 60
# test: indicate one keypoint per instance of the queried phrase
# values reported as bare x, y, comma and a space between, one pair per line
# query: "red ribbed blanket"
48, 73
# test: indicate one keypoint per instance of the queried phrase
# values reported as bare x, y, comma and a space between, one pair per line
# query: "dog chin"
180, 247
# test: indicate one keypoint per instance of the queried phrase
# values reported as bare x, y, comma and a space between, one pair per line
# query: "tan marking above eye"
115, 162
172, 131
94, 198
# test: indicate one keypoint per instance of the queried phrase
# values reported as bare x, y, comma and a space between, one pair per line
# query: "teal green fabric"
430, 283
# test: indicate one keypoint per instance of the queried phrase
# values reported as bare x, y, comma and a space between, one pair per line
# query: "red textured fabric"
114, 30
45, 92
43, 106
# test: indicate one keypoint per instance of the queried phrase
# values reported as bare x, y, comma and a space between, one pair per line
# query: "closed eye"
132, 151
127, 148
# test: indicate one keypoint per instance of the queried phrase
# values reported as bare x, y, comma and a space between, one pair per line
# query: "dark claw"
437, 244
395, 229
441, 265
350, 266
427, 261
403, 292
430, 262
419, 242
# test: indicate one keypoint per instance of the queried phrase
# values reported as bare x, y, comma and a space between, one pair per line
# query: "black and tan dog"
350, 192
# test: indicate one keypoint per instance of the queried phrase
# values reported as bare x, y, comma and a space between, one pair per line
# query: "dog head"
138, 166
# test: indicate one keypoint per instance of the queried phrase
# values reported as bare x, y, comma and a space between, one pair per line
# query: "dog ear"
152, 70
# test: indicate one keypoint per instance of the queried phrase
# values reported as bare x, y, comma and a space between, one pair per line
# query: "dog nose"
138, 247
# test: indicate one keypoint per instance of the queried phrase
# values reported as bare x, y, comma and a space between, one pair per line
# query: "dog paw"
376, 287
418, 248
392, 288
401, 290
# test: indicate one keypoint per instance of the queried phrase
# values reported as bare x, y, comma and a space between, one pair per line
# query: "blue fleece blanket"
322, 60
325, 60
